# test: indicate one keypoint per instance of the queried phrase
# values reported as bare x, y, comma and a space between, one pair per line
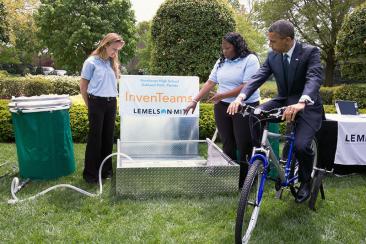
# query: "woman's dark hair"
240, 46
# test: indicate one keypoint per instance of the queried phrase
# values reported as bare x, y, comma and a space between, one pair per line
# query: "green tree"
254, 38
70, 29
235, 4
8, 54
4, 28
317, 22
21, 27
141, 61
187, 35
351, 45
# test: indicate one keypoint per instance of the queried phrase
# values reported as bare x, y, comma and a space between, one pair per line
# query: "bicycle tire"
247, 212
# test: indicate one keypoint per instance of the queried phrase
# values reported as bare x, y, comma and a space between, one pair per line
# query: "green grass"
69, 217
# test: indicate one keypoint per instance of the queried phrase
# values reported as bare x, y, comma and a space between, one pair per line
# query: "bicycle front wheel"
248, 209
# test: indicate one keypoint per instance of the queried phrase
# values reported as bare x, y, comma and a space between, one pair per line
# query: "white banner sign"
145, 95
351, 141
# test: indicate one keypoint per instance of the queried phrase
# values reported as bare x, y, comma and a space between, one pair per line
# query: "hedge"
352, 92
79, 122
269, 90
36, 85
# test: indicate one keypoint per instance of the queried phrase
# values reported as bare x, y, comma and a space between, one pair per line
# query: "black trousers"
102, 116
304, 135
235, 134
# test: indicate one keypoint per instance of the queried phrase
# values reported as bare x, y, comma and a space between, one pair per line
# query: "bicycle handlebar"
275, 113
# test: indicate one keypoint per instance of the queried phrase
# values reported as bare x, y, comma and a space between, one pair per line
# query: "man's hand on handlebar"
290, 112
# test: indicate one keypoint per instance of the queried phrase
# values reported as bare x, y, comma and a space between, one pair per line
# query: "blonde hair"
101, 52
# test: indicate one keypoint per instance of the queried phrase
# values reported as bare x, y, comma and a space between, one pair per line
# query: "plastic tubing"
15, 184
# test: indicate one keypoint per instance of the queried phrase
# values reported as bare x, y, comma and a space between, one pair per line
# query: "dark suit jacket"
305, 76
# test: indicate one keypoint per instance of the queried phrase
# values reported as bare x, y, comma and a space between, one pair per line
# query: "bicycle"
262, 157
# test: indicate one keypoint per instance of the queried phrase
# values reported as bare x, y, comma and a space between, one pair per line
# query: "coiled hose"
15, 184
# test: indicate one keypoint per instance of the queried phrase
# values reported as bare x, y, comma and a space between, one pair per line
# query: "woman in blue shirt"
98, 87
236, 65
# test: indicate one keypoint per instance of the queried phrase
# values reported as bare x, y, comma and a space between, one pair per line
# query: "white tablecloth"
351, 139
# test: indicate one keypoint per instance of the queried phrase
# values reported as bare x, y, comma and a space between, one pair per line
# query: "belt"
101, 98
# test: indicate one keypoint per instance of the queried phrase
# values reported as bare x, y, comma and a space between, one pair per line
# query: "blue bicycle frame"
265, 154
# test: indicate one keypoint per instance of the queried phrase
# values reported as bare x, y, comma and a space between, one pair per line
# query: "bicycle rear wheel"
248, 209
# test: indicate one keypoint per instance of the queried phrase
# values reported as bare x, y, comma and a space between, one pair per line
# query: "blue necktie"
285, 66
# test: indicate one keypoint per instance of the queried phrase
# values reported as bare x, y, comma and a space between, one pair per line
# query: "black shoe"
303, 193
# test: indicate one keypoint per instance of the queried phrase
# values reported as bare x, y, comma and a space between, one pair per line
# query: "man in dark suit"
298, 73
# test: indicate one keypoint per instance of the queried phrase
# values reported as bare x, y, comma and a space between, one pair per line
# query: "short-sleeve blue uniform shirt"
101, 77
233, 73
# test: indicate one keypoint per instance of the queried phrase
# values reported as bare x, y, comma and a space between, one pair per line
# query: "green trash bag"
44, 142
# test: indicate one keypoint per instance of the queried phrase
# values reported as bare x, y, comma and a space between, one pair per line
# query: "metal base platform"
142, 178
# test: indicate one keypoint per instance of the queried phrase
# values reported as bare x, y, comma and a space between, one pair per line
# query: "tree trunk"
329, 68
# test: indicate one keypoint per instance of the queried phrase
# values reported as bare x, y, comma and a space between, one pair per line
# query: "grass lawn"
67, 216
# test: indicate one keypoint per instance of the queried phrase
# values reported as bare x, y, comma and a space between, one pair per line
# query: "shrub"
329, 109
3, 73
79, 122
327, 94
187, 35
207, 125
268, 91
11, 86
353, 92
65, 85
37, 87
350, 48
6, 128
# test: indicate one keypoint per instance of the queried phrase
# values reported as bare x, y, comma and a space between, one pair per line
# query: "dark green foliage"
268, 91
235, 4
316, 22
331, 109
351, 46
6, 129
352, 92
4, 28
187, 35
327, 94
142, 58
79, 123
11, 86
65, 85
38, 85
71, 28
207, 123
